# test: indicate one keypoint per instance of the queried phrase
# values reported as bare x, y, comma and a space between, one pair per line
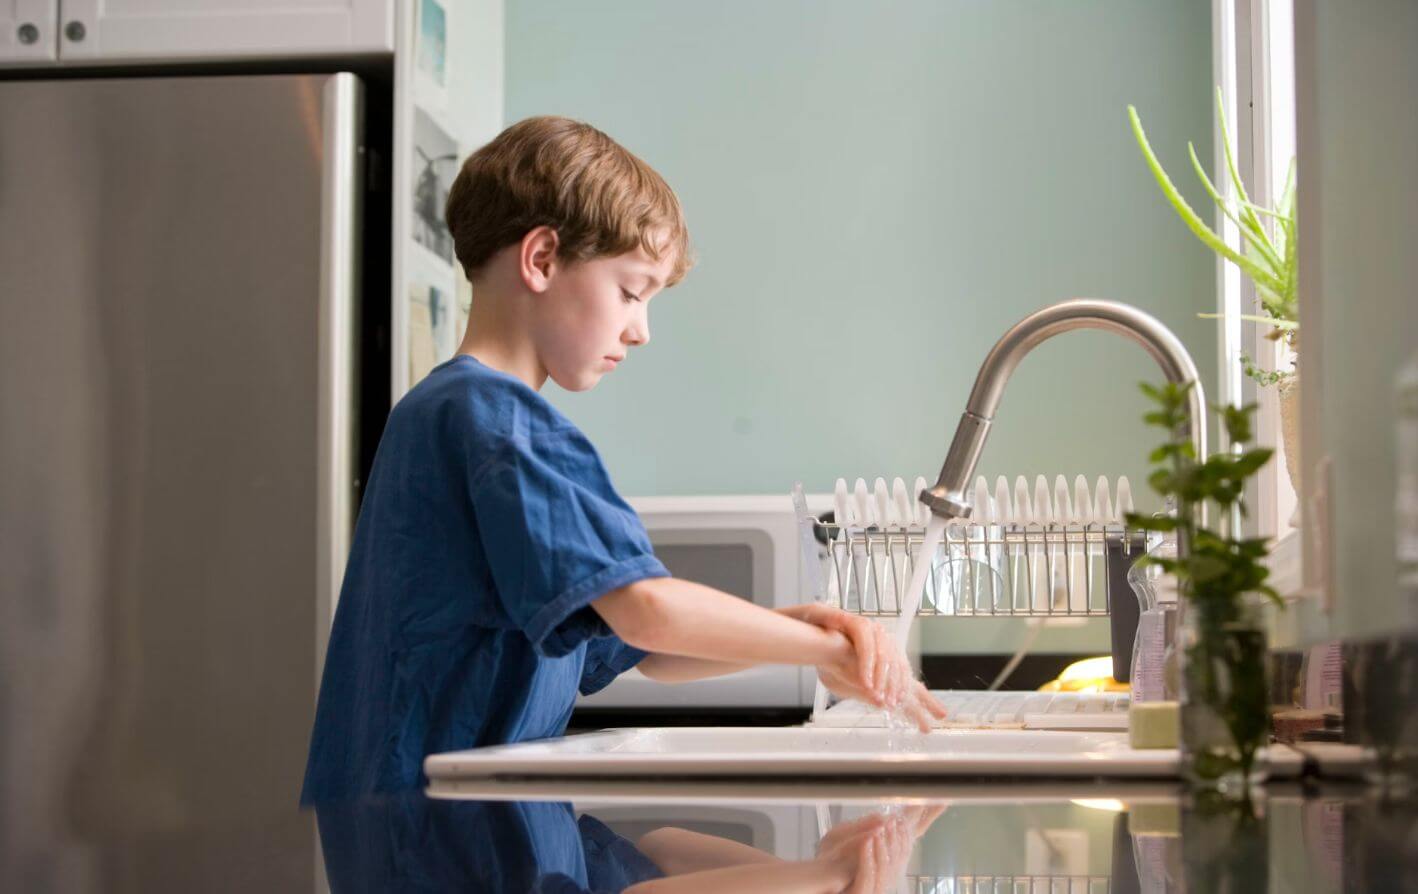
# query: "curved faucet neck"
950, 497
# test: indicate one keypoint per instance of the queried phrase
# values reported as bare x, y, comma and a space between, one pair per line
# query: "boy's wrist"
837, 649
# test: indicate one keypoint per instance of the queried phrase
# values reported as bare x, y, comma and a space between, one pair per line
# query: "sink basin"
811, 751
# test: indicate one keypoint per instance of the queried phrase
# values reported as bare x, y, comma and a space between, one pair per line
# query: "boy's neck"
497, 337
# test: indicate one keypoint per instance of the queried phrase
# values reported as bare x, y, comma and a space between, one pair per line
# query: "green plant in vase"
1225, 711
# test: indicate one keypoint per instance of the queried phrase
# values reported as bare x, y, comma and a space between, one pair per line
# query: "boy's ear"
537, 260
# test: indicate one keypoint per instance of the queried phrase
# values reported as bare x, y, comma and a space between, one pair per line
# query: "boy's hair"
552, 171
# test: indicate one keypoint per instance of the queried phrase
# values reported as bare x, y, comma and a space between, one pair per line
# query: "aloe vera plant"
1267, 252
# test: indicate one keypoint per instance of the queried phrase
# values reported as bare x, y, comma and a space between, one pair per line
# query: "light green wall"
876, 192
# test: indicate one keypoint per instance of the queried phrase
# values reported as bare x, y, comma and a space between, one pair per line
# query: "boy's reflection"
412, 843
864, 856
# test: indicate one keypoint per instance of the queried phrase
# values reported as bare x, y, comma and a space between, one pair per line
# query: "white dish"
885, 512
1004, 503
1023, 506
1103, 503
905, 511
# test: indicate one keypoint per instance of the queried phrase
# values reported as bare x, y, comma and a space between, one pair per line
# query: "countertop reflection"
815, 836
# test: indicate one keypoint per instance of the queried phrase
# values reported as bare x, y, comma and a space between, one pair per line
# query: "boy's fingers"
928, 816
918, 714
923, 717
867, 659
903, 680
932, 705
866, 873
883, 659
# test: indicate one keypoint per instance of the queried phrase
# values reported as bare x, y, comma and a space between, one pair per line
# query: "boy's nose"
638, 333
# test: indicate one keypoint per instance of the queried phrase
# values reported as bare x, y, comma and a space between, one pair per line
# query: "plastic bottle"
1156, 627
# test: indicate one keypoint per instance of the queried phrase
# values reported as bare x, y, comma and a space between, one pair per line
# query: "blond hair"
600, 199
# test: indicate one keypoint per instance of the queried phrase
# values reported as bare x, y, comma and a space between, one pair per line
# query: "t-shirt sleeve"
607, 657
612, 862
557, 536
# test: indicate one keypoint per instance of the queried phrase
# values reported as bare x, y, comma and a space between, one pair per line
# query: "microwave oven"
779, 828
749, 546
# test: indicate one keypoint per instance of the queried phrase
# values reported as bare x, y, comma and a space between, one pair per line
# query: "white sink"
811, 751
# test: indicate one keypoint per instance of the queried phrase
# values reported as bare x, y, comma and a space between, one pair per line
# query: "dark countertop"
1075, 837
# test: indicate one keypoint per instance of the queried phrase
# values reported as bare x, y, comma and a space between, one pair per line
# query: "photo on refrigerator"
435, 164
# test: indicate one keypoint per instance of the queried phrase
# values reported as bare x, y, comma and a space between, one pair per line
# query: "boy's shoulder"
482, 406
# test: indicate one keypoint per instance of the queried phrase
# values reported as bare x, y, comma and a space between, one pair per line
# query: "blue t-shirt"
488, 526
408, 842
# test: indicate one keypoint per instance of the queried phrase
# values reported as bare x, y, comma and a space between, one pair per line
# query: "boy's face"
592, 313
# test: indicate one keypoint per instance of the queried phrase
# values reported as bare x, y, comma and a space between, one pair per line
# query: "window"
1254, 53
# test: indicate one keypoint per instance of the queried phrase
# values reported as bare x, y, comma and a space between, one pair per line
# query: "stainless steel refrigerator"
180, 333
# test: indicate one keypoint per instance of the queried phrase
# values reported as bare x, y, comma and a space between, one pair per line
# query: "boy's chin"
581, 381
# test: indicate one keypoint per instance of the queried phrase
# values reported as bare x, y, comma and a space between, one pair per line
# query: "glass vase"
1225, 843
1225, 711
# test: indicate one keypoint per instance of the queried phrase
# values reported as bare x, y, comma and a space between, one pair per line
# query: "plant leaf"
1226, 146
1271, 321
1252, 460
1250, 228
1189, 217
1152, 522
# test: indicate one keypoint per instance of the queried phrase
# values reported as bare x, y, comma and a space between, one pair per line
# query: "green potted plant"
1267, 256
1221, 578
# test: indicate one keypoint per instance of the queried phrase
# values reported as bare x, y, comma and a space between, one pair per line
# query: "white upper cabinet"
29, 31
160, 30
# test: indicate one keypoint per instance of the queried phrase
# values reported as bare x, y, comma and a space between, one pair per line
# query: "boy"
495, 571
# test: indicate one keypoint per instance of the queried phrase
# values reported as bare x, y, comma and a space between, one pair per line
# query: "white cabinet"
28, 31
158, 30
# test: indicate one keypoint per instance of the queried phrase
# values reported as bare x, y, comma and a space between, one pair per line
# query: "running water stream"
925, 563
910, 606
896, 718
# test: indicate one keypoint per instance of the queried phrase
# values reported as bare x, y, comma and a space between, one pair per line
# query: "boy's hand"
877, 672
872, 660
871, 853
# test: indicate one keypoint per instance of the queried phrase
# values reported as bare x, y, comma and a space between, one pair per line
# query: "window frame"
1249, 61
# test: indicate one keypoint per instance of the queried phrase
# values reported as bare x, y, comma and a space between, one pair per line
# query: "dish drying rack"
1008, 884
1004, 562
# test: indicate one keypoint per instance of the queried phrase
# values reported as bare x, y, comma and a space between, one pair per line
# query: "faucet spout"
951, 495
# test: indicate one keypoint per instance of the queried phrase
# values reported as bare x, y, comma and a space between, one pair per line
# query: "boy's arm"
677, 851
854, 657
666, 668
679, 617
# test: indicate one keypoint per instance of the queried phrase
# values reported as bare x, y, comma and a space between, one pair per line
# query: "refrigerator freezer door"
176, 314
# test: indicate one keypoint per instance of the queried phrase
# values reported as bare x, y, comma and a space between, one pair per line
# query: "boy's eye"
629, 296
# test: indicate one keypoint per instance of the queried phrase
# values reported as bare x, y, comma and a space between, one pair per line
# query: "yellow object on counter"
1154, 724
1086, 675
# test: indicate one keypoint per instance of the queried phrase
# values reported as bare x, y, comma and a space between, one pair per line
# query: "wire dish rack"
979, 570
1009, 884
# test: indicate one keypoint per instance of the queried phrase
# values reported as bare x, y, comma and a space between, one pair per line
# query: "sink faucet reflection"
951, 495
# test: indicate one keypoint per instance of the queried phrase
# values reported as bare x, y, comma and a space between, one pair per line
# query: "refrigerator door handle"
342, 128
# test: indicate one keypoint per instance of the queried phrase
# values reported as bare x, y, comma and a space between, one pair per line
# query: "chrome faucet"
950, 498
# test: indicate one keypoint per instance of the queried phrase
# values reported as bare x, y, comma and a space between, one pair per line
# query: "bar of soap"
1154, 819
1153, 724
